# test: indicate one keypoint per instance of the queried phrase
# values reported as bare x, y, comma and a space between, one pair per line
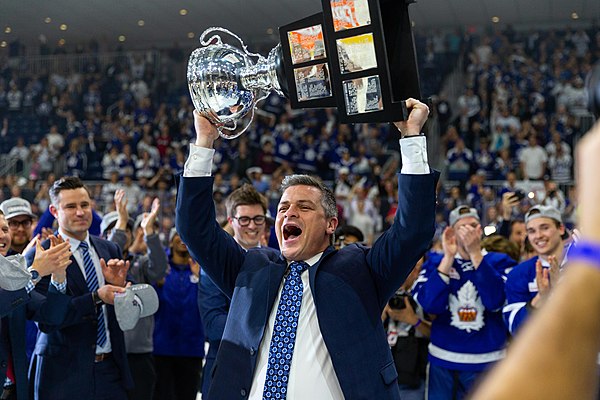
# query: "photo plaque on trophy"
367, 58
357, 56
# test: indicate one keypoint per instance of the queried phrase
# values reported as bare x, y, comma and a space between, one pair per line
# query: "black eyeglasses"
25, 224
245, 221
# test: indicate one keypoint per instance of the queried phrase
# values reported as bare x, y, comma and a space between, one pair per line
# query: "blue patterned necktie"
281, 349
92, 283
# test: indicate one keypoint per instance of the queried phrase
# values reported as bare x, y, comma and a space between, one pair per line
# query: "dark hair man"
311, 312
85, 358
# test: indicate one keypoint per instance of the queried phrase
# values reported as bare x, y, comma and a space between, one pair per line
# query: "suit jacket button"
252, 351
243, 392
4, 364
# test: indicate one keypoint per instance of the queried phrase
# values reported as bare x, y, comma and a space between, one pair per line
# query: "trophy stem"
263, 75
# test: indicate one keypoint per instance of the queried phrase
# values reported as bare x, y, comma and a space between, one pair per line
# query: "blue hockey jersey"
468, 332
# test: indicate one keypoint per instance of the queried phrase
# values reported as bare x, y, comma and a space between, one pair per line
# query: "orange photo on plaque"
348, 14
307, 44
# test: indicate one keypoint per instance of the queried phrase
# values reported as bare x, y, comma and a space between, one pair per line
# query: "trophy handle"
223, 128
205, 42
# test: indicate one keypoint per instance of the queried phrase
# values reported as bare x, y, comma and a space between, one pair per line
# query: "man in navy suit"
19, 302
85, 358
326, 339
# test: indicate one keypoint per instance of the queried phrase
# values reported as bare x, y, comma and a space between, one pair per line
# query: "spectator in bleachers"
145, 166
133, 193
75, 160
44, 156
56, 140
553, 196
484, 159
19, 153
560, 165
533, 160
459, 161
14, 98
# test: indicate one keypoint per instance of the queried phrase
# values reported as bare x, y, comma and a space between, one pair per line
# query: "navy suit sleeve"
50, 309
10, 300
218, 253
398, 249
214, 306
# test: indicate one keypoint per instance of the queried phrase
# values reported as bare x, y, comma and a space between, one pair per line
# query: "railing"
82, 63
8, 165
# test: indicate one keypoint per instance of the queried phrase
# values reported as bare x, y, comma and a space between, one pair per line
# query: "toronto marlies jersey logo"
466, 308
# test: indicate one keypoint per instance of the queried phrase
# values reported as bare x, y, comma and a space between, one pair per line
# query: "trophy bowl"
225, 83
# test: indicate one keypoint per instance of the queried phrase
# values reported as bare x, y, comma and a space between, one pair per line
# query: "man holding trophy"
305, 323
314, 334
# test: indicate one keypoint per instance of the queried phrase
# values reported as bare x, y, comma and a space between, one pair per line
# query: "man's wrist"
96, 298
35, 275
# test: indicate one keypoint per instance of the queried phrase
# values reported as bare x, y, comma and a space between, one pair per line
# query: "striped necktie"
283, 339
92, 283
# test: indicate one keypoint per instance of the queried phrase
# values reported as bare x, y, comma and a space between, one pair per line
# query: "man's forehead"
22, 217
300, 193
466, 221
540, 221
74, 195
249, 209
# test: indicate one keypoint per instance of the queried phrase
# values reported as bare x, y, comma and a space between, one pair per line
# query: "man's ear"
332, 225
53, 210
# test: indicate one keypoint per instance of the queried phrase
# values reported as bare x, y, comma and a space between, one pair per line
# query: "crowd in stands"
121, 123
126, 126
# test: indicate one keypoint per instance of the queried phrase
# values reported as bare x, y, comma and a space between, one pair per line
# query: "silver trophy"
225, 83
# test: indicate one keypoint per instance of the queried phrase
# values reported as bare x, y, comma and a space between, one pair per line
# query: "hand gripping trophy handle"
225, 84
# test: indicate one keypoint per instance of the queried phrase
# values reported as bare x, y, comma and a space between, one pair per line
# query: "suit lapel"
276, 273
75, 279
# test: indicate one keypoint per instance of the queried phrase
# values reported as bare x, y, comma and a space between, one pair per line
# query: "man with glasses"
18, 214
246, 214
529, 284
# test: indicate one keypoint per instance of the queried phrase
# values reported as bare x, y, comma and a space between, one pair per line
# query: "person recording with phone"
513, 228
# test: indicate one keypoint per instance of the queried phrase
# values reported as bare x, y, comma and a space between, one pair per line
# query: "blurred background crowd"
507, 108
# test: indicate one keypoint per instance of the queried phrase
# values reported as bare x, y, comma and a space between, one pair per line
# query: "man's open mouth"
291, 232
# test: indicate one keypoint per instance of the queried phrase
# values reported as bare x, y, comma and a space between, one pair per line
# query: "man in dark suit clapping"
85, 358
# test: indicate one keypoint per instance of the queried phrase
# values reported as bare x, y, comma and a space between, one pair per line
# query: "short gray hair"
327, 196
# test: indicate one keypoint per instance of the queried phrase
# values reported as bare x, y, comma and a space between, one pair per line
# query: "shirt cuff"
414, 155
199, 162
30, 286
61, 287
